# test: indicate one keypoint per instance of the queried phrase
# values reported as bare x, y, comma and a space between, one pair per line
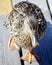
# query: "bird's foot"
28, 57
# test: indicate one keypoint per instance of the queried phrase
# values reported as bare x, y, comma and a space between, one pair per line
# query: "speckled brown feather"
25, 11
25, 17
30, 8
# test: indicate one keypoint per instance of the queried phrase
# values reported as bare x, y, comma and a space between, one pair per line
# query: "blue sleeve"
43, 51
36, 53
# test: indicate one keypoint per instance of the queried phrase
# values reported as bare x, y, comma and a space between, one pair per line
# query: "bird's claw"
28, 57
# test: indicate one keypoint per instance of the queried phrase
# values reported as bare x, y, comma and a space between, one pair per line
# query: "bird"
24, 22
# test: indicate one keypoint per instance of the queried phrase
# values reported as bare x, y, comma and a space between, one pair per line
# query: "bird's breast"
23, 40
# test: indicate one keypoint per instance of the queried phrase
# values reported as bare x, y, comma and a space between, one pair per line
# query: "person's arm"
36, 53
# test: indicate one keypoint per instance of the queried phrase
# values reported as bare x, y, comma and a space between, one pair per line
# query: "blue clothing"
44, 50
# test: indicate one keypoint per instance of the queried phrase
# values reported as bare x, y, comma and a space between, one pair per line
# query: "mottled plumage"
25, 18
